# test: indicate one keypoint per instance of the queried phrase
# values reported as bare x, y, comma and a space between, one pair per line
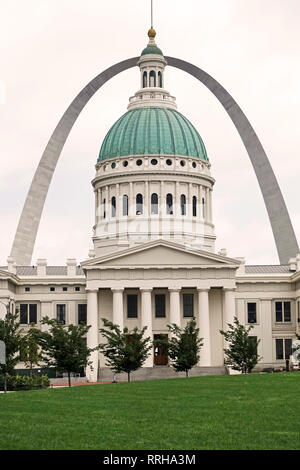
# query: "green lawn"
223, 412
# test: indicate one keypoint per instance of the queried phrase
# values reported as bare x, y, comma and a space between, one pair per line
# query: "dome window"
159, 79
113, 165
203, 208
183, 204
169, 204
169, 162
182, 163
145, 80
104, 208
152, 79
139, 162
154, 161
139, 204
154, 204
113, 206
194, 164
125, 163
194, 206
125, 205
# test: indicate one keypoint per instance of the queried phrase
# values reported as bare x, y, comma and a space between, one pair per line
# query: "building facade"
154, 260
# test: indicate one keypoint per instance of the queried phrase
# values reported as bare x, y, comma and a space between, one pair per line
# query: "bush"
18, 382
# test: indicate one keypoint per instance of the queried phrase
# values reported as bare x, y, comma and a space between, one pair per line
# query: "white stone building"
154, 261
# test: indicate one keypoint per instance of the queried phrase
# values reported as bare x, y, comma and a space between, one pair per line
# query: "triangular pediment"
160, 253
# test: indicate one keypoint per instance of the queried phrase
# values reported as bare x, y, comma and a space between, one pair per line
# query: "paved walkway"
75, 384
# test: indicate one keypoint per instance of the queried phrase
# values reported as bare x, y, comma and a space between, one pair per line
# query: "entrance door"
160, 352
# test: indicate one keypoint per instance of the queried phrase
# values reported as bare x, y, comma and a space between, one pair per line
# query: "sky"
50, 49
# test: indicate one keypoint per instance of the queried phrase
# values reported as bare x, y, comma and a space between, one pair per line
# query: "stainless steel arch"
283, 231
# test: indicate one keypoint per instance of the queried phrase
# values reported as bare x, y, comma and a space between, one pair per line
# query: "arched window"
169, 203
194, 206
152, 78
125, 204
139, 204
203, 208
160, 79
183, 204
113, 206
144, 79
104, 208
154, 203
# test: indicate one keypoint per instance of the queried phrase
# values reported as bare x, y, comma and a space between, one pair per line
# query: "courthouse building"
154, 260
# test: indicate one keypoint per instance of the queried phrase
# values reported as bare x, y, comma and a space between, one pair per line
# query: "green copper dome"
152, 50
152, 131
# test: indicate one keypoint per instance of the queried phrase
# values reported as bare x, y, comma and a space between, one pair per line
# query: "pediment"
162, 254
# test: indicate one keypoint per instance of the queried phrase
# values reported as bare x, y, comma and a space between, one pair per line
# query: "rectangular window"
27, 289
77, 289
188, 305
65, 289
24, 314
298, 304
132, 306
251, 310
52, 289
61, 313
32, 313
82, 314
283, 312
160, 306
283, 348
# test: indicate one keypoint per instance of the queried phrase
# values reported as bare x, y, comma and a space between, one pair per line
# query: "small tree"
31, 353
125, 351
241, 353
65, 346
10, 333
184, 346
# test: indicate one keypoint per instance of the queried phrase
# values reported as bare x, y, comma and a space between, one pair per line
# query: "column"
146, 320
229, 304
190, 202
92, 335
207, 205
210, 206
131, 202
118, 202
204, 326
118, 307
175, 316
98, 210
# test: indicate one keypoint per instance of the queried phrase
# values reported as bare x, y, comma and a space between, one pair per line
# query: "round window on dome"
194, 164
139, 162
154, 161
169, 162
125, 163
182, 163
113, 165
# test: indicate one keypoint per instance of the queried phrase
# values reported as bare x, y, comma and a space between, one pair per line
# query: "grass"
222, 412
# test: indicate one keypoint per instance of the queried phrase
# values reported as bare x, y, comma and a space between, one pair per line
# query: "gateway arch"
284, 235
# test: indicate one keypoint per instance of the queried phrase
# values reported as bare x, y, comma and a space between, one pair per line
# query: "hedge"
18, 382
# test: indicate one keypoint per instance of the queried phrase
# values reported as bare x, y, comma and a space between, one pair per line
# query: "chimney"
71, 264
41, 267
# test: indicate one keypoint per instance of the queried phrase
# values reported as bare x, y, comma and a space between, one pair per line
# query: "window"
61, 313
169, 203
182, 162
283, 348
52, 289
188, 305
154, 204
139, 204
77, 289
132, 307
82, 314
139, 162
144, 79
169, 162
194, 206
28, 313
154, 161
160, 306
65, 289
203, 208
298, 305
183, 204
251, 312
160, 79
113, 165
104, 208
152, 79
125, 164
27, 289
283, 312
125, 204
113, 206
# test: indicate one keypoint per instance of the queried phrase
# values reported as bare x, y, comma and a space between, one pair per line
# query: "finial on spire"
151, 32
151, 14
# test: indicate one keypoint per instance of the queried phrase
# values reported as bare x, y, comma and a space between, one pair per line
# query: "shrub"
23, 382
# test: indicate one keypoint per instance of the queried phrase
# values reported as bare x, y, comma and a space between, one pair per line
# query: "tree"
241, 353
125, 351
65, 346
10, 333
30, 351
184, 346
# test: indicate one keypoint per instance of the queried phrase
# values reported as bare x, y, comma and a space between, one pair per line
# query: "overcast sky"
50, 49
